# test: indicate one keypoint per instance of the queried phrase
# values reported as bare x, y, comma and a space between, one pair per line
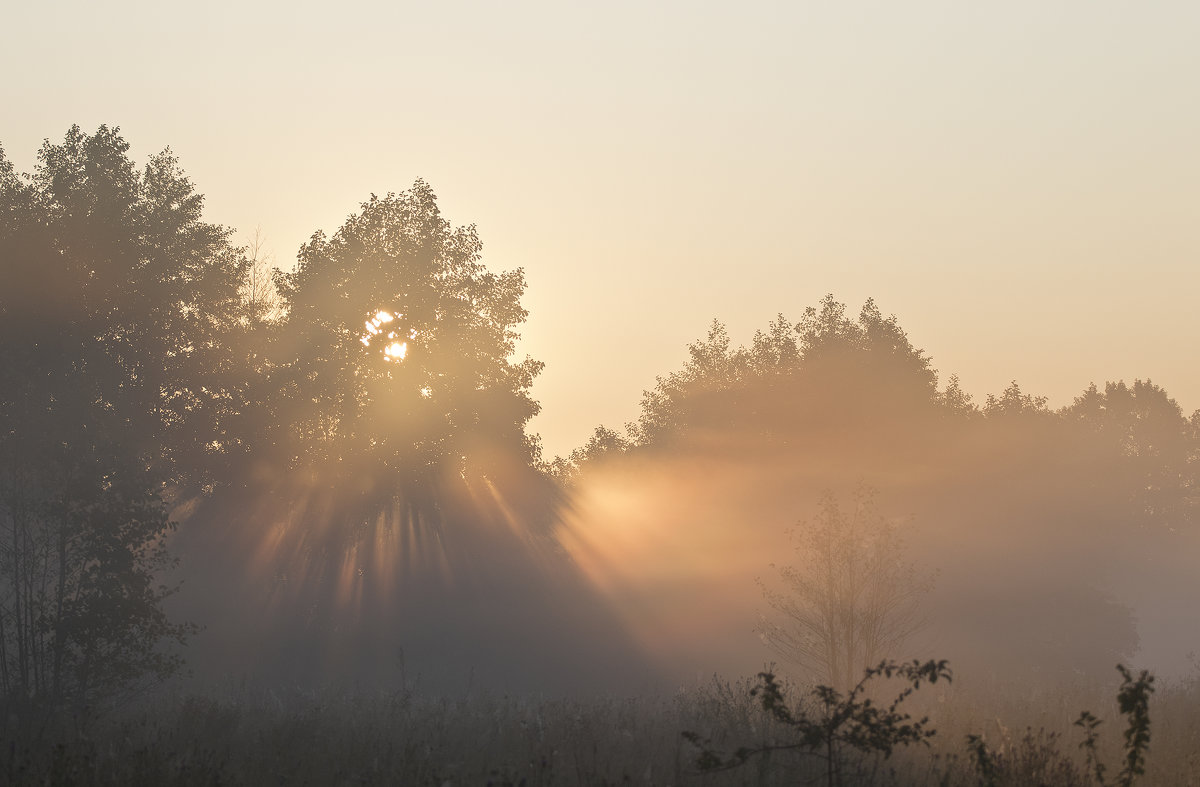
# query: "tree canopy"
116, 370
114, 281
830, 401
395, 343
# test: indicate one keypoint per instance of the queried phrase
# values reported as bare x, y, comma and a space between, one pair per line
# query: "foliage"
111, 273
1012, 403
116, 388
394, 350
1149, 440
835, 721
602, 445
1133, 700
1033, 759
81, 601
822, 359
851, 599
245, 736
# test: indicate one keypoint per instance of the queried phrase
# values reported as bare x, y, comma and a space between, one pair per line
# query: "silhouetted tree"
112, 269
604, 444
1013, 404
388, 449
81, 554
1152, 443
117, 383
396, 342
955, 400
875, 344
826, 367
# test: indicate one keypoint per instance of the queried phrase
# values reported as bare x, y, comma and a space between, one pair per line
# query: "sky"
1018, 182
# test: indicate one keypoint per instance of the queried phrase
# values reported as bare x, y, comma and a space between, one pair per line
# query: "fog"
220, 478
1055, 543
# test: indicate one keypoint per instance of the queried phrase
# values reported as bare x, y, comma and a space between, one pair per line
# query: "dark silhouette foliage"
117, 383
829, 722
1032, 513
393, 349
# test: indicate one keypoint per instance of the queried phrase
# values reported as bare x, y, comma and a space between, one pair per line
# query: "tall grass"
304, 737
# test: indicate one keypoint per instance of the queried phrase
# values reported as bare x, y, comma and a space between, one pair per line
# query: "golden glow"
662, 545
393, 350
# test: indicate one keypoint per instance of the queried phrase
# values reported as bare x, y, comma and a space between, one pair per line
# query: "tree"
604, 444
113, 269
81, 594
851, 600
1154, 447
826, 366
681, 400
116, 389
260, 295
392, 360
1015, 404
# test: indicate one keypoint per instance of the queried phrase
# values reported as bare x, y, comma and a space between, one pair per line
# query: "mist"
224, 480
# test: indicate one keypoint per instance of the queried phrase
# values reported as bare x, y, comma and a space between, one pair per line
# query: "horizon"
1017, 185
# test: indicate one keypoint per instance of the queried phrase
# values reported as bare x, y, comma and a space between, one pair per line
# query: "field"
239, 736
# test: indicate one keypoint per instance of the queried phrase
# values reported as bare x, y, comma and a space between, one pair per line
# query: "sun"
395, 347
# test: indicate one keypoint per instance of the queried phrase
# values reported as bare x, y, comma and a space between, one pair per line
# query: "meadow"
237, 735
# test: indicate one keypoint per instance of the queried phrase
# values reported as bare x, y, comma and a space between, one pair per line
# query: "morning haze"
477, 393
1018, 182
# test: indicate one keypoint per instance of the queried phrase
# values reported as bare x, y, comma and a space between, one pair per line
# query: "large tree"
389, 450
394, 355
112, 269
118, 380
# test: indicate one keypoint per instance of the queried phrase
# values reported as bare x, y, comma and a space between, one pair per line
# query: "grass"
302, 737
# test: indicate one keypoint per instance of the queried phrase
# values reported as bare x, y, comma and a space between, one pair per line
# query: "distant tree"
875, 346
825, 366
1013, 403
604, 444
851, 599
955, 400
259, 293
1154, 445
679, 402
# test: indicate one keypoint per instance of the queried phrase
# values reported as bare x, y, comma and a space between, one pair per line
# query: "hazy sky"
1018, 182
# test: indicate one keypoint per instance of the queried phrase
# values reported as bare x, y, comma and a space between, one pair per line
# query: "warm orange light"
393, 350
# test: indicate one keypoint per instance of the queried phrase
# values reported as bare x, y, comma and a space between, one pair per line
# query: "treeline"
335, 433
828, 371
1055, 534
